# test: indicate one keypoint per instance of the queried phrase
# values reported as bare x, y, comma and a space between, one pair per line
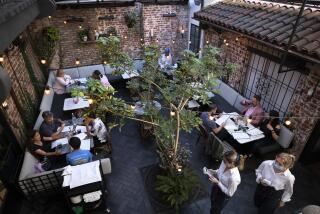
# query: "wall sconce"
47, 90
151, 34
77, 62
4, 104
1, 58
312, 90
182, 32
43, 61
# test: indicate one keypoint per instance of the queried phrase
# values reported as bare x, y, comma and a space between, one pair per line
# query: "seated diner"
77, 156
254, 110
61, 82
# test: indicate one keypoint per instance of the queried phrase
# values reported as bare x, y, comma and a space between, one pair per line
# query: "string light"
288, 122
227, 44
43, 61
189, 42
141, 39
4, 104
80, 26
90, 101
125, 37
49, 17
77, 61
224, 41
65, 22
47, 90
173, 41
237, 39
105, 62
172, 113
207, 42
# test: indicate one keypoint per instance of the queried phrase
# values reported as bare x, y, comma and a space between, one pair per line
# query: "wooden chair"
203, 133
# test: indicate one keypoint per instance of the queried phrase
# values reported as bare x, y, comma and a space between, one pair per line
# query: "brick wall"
305, 106
301, 105
22, 88
166, 29
234, 49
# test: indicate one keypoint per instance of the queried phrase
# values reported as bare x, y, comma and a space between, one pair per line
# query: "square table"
240, 136
70, 105
129, 74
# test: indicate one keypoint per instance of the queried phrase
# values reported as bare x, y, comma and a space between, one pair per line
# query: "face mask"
277, 167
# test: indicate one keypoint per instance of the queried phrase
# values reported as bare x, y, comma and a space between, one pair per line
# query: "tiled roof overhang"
271, 23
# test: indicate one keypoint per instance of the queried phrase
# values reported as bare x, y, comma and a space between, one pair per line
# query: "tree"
194, 78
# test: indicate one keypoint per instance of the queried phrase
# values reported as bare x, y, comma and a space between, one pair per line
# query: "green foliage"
77, 92
45, 42
131, 18
111, 52
176, 187
83, 33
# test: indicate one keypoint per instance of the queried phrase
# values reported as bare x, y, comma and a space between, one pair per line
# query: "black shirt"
33, 148
46, 130
267, 132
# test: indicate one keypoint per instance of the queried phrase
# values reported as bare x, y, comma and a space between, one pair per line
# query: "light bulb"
224, 41
47, 90
1, 58
90, 101
249, 120
207, 42
43, 61
237, 39
189, 42
65, 22
141, 40
49, 17
288, 122
227, 44
80, 26
172, 113
4, 104
182, 31
157, 40
125, 37
173, 41
105, 62
132, 106
179, 170
77, 61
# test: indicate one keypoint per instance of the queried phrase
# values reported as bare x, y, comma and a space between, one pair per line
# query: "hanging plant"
131, 18
83, 34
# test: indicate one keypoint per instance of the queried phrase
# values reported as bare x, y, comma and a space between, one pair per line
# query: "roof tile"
271, 22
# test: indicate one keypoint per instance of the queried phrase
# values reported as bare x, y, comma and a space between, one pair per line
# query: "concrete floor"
128, 195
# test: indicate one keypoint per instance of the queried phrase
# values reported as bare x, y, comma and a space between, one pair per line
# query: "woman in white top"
62, 80
275, 183
225, 181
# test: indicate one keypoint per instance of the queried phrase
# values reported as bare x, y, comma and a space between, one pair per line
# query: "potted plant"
130, 18
76, 93
174, 95
83, 34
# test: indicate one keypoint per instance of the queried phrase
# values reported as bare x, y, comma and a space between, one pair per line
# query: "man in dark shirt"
208, 119
50, 128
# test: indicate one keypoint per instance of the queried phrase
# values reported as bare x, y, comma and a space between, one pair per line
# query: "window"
276, 89
194, 38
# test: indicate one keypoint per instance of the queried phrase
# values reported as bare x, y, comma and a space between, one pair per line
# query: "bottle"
74, 122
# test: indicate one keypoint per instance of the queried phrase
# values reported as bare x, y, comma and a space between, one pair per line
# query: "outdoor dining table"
79, 82
246, 134
62, 144
140, 107
69, 104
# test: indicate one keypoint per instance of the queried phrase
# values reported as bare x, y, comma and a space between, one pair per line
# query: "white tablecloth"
70, 105
242, 137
